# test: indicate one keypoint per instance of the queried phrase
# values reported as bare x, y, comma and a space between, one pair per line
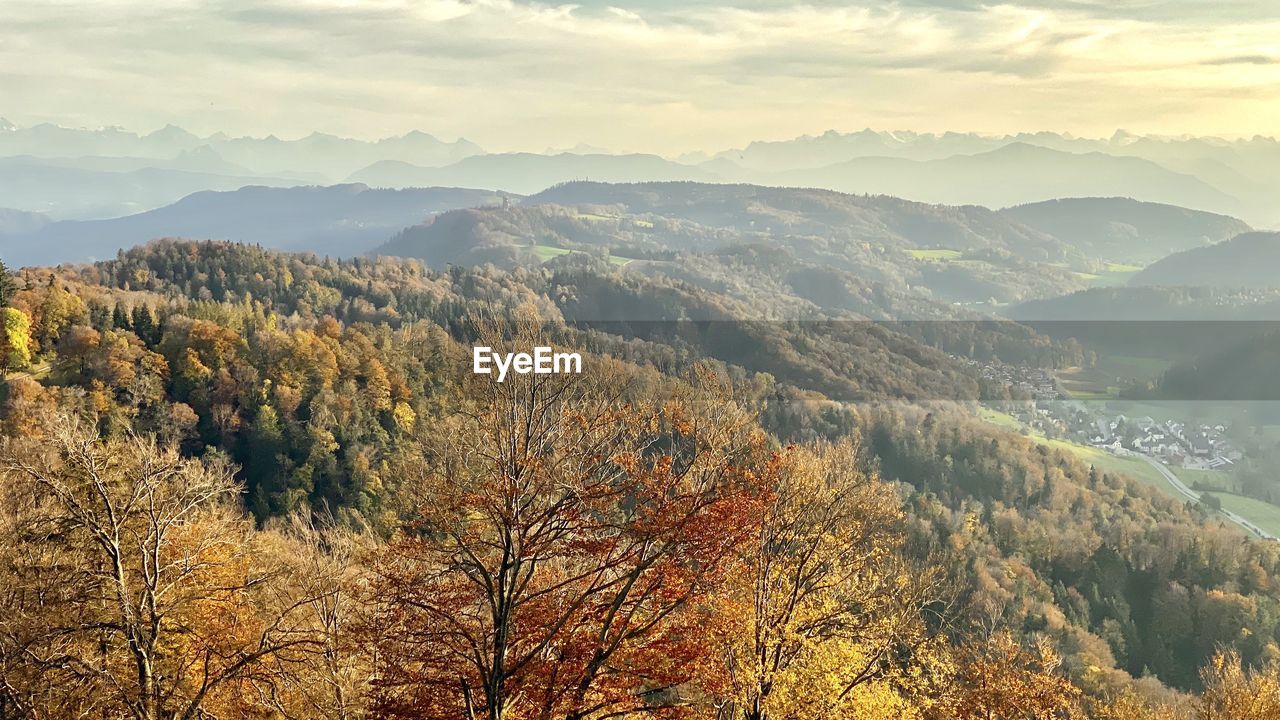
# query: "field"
1088, 384
1215, 479
547, 252
1263, 514
1111, 274
1109, 376
936, 254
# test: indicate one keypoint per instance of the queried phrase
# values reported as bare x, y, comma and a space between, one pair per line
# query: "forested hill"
1243, 370
945, 254
340, 389
1246, 261
1123, 230
1188, 303
877, 219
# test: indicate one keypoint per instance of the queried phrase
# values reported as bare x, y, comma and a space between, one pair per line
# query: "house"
1201, 445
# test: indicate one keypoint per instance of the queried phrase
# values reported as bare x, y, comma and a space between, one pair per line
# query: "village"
1201, 445
1177, 444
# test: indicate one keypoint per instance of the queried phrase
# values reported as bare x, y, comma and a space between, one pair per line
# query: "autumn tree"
330, 679
564, 546
1234, 692
1002, 678
15, 339
829, 606
134, 583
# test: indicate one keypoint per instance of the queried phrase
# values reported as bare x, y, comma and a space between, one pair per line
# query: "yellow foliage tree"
15, 339
1232, 692
825, 598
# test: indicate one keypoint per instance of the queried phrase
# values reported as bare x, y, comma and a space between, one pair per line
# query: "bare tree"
141, 587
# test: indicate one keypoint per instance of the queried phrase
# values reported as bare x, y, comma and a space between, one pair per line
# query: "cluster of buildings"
1198, 447
1036, 383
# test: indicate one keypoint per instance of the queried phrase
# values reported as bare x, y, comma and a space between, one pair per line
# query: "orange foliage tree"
566, 544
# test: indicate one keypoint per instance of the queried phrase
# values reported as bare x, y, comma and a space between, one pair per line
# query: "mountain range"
107, 172
326, 157
342, 220
951, 253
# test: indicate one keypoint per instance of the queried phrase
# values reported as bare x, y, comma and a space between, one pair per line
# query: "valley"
1007, 376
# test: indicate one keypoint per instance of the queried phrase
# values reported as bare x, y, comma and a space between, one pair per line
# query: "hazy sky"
661, 75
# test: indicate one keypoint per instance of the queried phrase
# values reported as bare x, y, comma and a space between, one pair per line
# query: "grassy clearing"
1217, 479
597, 217
1088, 384
1111, 374
995, 417
547, 252
1110, 274
1121, 268
1107, 393
936, 254
1263, 514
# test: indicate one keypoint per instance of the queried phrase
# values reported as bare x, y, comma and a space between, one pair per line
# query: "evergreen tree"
6, 285
120, 319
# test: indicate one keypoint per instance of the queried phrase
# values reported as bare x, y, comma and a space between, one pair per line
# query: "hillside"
342, 220
1240, 371
797, 212
1123, 230
1185, 303
1246, 261
944, 254
342, 388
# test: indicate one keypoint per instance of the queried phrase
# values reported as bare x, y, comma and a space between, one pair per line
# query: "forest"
242, 483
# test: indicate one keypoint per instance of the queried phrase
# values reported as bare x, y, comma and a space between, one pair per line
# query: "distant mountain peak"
171, 132
6, 126
1124, 137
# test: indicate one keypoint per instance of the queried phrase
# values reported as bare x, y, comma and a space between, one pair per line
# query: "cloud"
1244, 60
662, 76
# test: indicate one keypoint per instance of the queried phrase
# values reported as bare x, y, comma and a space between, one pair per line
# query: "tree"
829, 602
15, 339
137, 586
1232, 692
54, 311
1002, 679
566, 540
6, 285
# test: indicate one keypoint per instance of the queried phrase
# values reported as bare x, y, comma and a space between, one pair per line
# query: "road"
1194, 496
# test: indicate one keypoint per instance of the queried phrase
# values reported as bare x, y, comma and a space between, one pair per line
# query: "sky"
664, 76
